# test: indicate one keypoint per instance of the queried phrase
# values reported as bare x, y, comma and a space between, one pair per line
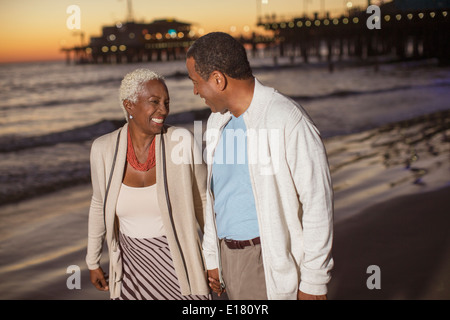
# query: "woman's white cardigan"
186, 198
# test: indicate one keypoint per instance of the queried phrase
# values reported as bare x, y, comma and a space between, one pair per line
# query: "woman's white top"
139, 213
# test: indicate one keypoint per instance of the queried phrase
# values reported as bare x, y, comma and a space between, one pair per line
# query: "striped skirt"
148, 271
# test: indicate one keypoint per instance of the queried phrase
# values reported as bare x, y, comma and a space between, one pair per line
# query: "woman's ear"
127, 105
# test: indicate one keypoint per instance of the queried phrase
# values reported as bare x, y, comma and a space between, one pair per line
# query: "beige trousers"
243, 272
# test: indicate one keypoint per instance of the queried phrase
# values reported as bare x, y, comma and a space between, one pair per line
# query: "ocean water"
50, 111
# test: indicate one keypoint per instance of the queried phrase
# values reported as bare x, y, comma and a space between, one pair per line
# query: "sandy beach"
407, 238
391, 210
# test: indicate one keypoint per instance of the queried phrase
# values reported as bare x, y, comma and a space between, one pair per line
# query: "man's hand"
305, 296
214, 282
98, 279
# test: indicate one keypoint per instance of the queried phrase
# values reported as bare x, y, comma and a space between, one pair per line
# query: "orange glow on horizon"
38, 49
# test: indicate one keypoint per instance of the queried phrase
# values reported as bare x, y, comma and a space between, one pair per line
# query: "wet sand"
407, 238
392, 186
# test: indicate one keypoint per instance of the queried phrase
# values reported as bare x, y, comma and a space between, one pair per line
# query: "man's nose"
195, 90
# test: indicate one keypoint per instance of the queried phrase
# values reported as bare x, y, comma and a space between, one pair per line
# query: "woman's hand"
98, 279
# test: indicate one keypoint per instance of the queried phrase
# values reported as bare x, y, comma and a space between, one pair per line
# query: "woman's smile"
158, 121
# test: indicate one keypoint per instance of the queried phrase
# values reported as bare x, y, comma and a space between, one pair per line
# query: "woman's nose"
164, 109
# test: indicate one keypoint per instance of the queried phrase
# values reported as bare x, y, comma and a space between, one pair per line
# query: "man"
268, 224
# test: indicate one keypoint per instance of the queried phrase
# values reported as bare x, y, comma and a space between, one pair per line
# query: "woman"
148, 206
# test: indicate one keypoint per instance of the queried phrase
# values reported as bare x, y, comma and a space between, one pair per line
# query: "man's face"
207, 90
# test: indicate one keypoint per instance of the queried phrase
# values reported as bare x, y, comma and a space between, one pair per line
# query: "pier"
128, 42
405, 33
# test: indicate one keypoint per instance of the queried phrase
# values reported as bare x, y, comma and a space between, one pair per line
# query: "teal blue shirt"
234, 202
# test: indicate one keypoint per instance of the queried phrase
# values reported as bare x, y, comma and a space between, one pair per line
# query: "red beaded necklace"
133, 161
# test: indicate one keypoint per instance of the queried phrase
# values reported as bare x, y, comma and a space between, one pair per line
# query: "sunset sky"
32, 30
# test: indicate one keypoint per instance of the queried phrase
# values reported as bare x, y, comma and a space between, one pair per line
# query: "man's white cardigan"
293, 194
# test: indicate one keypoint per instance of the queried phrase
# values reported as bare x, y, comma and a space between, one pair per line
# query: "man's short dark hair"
220, 51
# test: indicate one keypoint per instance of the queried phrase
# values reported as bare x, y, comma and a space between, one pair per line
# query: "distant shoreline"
281, 62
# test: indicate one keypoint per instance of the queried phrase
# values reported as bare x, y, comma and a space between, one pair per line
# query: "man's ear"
220, 80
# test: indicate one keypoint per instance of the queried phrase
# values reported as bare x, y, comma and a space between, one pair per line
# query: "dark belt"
241, 244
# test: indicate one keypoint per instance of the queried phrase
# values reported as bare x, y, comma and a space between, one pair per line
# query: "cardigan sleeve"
308, 163
199, 185
96, 225
210, 245
210, 249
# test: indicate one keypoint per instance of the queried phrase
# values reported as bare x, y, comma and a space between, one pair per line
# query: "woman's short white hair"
132, 84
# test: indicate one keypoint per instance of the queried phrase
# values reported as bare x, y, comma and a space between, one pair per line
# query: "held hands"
214, 282
98, 279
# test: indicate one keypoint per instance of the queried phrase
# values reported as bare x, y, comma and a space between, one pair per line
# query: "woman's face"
151, 108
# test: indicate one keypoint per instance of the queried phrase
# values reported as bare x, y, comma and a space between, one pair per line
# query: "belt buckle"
235, 244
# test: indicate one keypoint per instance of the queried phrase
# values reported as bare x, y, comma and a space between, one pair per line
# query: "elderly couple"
178, 231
